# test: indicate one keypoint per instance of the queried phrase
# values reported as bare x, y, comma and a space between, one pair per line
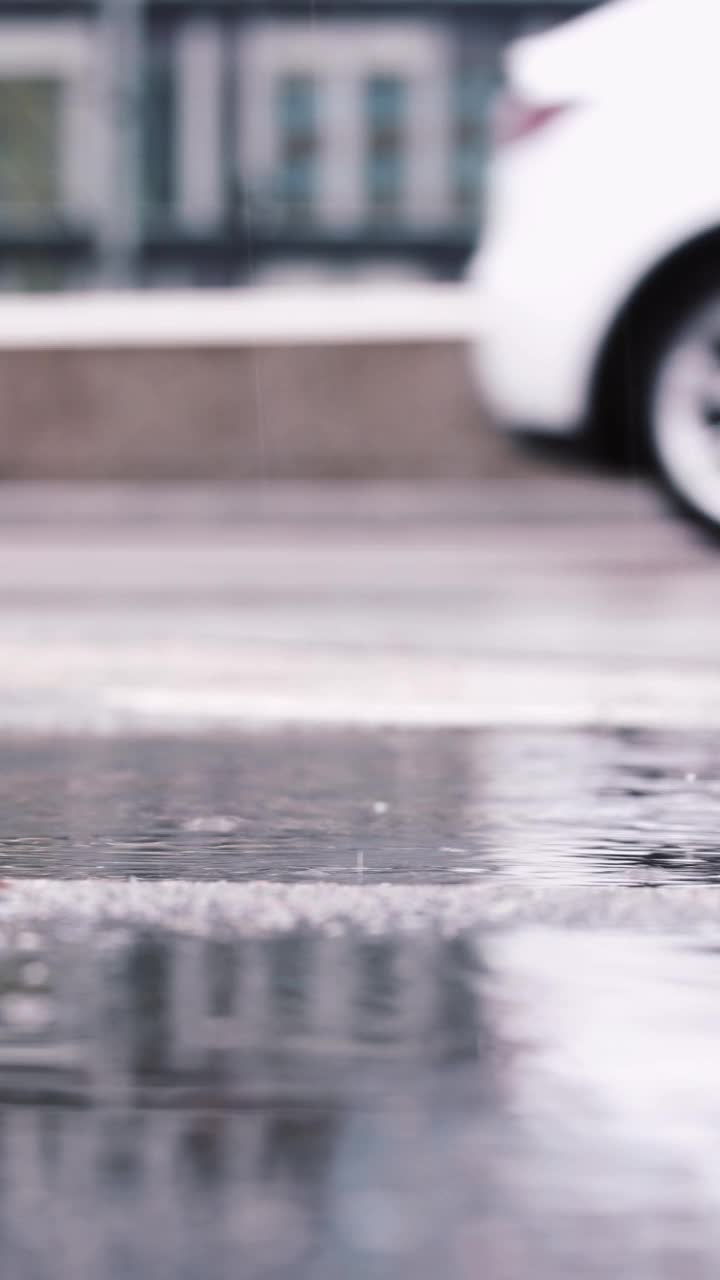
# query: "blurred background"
217, 142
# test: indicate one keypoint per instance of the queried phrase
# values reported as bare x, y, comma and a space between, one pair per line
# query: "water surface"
511, 1103
537, 1103
568, 807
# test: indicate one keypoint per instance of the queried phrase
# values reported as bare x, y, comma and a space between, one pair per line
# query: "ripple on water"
568, 807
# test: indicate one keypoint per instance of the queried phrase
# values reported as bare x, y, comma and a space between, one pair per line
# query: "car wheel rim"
686, 413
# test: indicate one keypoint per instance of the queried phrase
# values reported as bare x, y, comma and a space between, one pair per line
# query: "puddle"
566, 807
537, 1103
503, 1102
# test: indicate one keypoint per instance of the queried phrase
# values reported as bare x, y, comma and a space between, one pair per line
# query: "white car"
599, 271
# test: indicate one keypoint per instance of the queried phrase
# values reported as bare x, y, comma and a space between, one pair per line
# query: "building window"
472, 90
385, 123
29, 150
159, 128
297, 135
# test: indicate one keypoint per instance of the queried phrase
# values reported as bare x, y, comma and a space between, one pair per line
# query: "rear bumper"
528, 365
552, 271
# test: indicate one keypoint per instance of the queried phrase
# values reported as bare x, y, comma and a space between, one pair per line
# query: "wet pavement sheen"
500, 1102
534, 1103
566, 807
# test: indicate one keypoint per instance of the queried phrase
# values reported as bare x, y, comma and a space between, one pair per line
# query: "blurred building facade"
177, 142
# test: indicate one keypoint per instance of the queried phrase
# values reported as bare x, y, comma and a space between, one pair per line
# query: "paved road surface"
359, 913
567, 602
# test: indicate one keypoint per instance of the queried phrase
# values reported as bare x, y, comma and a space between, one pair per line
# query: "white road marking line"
423, 693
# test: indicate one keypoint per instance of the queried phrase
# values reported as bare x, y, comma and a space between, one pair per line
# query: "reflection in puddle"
564, 806
536, 1104
497, 1103
206, 1108
174, 1021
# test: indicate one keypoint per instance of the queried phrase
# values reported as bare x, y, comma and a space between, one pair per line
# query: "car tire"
680, 400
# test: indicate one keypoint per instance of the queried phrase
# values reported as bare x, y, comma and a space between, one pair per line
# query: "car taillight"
514, 118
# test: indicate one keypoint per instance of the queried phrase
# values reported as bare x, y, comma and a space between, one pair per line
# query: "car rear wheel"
683, 406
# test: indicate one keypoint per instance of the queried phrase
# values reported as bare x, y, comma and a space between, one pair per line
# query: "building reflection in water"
184, 1107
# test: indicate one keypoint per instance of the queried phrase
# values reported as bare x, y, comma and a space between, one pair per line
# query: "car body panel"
581, 212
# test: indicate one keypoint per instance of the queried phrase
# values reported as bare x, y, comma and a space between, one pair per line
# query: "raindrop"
213, 824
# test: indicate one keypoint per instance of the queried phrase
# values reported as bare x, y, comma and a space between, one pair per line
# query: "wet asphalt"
358, 885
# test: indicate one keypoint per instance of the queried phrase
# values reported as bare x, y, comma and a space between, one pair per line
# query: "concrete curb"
400, 410
358, 383
248, 317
